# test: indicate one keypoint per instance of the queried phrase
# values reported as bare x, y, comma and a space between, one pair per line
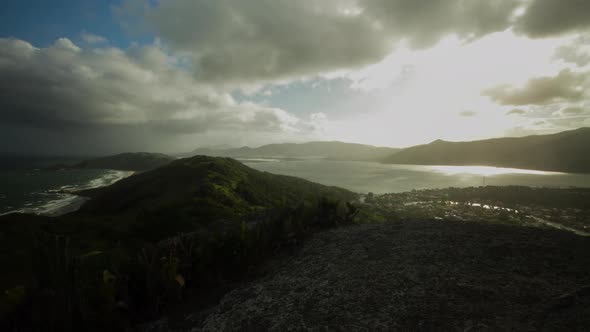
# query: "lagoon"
363, 177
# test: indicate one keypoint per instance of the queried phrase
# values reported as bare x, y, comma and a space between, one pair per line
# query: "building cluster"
437, 204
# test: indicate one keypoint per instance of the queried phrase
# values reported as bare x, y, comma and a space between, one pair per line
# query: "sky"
99, 77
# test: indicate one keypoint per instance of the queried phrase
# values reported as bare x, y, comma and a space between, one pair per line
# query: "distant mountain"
567, 151
327, 150
132, 161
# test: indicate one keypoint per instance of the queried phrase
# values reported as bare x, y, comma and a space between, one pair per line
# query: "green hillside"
139, 246
199, 190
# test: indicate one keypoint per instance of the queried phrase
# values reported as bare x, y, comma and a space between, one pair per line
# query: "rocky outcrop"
412, 275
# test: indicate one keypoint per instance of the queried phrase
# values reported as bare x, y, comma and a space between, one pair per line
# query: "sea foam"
65, 201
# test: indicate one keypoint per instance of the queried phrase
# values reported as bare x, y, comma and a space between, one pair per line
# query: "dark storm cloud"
262, 39
113, 100
242, 41
544, 18
63, 87
566, 86
265, 40
47, 88
424, 22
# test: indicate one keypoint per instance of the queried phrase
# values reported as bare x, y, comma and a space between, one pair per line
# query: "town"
535, 207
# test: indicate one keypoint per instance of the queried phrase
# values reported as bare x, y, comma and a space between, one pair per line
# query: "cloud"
545, 18
572, 111
264, 39
566, 86
578, 52
66, 45
65, 89
317, 122
268, 40
92, 38
423, 22
181, 85
241, 42
516, 111
468, 114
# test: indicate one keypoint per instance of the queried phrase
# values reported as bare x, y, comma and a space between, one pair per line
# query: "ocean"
26, 187
363, 177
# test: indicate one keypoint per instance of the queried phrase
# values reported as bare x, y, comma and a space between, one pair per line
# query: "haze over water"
380, 178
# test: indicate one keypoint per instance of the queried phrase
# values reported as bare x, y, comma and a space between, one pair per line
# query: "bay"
381, 178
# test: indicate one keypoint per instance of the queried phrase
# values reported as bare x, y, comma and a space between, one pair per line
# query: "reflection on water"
486, 170
257, 160
379, 178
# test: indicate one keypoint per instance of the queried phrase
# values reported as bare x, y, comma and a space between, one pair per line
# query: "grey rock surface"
417, 276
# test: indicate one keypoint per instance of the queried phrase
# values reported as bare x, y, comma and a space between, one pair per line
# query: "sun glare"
486, 170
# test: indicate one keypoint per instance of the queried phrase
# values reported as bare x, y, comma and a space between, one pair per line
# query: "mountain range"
562, 152
326, 150
566, 151
130, 161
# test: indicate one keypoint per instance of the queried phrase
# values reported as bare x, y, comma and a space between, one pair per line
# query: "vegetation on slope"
199, 190
150, 241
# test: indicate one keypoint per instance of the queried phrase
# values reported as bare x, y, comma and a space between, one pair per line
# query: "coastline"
67, 201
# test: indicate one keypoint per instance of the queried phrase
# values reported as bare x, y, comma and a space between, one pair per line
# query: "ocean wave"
64, 201
107, 179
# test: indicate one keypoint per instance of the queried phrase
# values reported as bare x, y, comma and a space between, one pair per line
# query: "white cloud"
65, 44
565, 86
91, 38
576, 52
